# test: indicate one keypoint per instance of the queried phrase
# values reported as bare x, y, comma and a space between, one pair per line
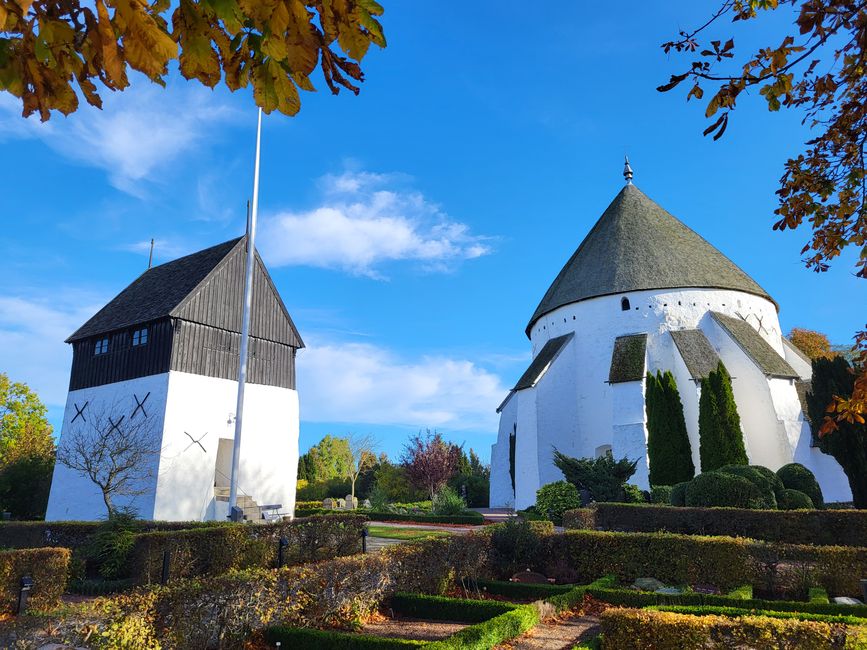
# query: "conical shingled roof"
635, 246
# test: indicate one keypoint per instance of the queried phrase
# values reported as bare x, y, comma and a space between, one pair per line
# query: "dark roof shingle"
636, 245
627, 359
156, 292
542, 361
758, 349
696, 351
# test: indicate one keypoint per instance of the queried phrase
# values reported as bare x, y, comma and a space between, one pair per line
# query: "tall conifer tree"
668, 445
721, 441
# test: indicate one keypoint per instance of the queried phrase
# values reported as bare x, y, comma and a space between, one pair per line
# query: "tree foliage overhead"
819, 70
668, 447
330, 458
814, 344
54, 51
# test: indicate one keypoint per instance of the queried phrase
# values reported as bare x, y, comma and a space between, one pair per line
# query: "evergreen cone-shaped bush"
668, 445
721, 441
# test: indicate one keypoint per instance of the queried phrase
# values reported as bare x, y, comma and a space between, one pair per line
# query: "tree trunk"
106, 497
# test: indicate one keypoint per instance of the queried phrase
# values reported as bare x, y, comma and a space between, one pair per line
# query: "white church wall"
74, 497
802, 366
204, 408
501, 494
765, 436
629, 434
557, 413
831, 477
526, 449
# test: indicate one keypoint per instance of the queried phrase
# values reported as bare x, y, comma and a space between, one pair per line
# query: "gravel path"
413, 628
562, 633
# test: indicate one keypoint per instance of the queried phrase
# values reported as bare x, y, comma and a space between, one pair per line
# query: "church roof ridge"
637, 245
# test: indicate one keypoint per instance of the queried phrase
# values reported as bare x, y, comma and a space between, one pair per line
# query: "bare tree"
361, 455
114, 450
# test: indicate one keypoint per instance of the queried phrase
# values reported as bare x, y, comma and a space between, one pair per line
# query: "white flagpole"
245, 329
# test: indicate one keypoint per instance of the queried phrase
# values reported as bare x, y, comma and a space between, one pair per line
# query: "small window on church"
624, 304
140, 337
101, 346
603, 450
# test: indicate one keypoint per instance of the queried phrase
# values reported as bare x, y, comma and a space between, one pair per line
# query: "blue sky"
413, 229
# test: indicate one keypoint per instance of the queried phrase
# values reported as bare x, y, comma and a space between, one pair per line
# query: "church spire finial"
627, 171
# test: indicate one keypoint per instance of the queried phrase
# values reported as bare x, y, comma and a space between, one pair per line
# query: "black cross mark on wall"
115, 425
79, 412
196, 442
139, 405
762, 324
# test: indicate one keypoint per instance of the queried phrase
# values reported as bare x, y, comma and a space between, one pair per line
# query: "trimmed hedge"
297, 637
75, 534
718, 489
484, 636
48, 567
737, 611
629, 628
472, 518
678, 494
216, 550
820, 527
522, 590
726, 562
440, 608
795, 500
632, 598
764, 479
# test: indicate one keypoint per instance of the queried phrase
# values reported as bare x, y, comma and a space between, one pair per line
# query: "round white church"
643, 292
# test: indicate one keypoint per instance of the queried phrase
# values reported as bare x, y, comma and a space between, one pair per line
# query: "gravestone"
529, 577
351, 502
328, 503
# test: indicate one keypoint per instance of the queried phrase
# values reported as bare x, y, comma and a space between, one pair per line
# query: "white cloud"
365, 221
31, 339
364, 383
164, 249
137, 133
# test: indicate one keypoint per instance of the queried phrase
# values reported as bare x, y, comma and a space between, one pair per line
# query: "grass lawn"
404, 533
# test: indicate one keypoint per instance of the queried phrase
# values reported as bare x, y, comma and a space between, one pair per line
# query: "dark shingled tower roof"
635, 246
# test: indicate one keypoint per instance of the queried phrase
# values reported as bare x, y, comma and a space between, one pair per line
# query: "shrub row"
633, 598
726, 562
737, 611
298, 637
521, 590
822, 527
74, 534
440, 608
216, 550
629, 628
48, 567
472, 518
484, 636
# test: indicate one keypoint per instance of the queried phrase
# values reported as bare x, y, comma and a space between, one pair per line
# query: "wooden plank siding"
122, 361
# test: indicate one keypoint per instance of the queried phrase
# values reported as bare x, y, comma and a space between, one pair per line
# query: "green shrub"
796, 500
603, 477
439, 608
633, 494
448, 503
758, 478
295, 637
744, 592
515, 546
775, 482
469, 517
678, 494
818, 595
715, 489
109, 548
24, 485
668, 447
821, 527
48, 567
661, 494
797, 477
553, 499
625, 628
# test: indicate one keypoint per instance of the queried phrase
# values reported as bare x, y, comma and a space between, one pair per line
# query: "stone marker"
647, 584
351, 502
845, 600
328, 503
529, 577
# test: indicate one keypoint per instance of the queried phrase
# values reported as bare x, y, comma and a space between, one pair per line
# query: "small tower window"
603, 450
140, 337
101, 346
624, 304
